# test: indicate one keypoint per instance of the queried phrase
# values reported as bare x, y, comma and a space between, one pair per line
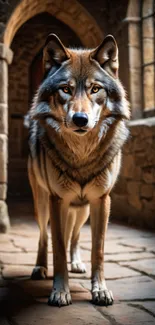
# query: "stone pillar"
5, 59
135, 66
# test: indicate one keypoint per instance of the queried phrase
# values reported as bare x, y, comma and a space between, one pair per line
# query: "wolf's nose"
80, 119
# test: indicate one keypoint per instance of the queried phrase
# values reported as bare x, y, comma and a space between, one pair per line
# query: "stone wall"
5, 59
133, 198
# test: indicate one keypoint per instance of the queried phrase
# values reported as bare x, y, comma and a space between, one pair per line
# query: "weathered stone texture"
134, 194
3, 158
24, 301
3, 118
6, 53
4, 219
3, 189
3, 81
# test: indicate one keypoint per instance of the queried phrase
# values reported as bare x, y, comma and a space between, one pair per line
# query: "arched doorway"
73, 15
25, 75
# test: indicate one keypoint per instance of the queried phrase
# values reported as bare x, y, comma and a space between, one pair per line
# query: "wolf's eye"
95, 89
66, 90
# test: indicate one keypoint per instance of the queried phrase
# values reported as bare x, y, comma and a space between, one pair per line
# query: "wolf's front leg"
60, 295
99, 214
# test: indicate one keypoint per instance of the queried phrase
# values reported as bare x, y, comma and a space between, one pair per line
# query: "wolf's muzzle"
80, 119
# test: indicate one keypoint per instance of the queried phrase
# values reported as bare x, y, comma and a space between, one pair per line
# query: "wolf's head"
81, 87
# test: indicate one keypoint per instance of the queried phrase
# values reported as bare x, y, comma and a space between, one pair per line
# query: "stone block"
134, 35
3, 118
14, 271
146, 191
141, 159
148, 28
148, 50
139, 145
128, 166
135, 57
120, 208
146, 266
3, 189
147, 8
149, 306
128, 256
3, 81
134, 288
148, 83
141, 124
113, 248
135, 202
133, 189
139, 242
126, 314
79, 313
134, 129
135, 91
20, 259
8, 247
121, 186
3, 158
148, 205
6, 53
4, 219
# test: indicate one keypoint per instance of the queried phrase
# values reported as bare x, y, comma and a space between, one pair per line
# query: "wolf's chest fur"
79, 170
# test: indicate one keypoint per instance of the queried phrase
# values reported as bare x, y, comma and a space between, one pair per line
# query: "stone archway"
23, 82
69, 12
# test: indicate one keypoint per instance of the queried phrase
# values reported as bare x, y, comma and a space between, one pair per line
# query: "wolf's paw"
78, 267
59, 298
102, 297
39, 273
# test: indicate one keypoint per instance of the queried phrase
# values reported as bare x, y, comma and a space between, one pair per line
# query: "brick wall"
133, 198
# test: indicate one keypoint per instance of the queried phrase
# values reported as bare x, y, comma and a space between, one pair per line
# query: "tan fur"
71, 176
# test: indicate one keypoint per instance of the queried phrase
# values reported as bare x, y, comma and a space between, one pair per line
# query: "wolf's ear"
54, 52
107, 55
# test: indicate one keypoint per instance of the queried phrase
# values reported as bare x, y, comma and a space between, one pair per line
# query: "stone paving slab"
149, 306
147, 266
140, 242
78, 314
134, 288
43, 288
8, 247
128, 256
129, 253
14, 271
112, 271
18, 258
30, 245
124, 314
114, 247
117, 230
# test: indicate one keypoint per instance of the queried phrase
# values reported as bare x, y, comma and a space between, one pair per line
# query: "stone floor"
129, 270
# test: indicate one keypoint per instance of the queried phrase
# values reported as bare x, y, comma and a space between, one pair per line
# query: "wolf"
77, 126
